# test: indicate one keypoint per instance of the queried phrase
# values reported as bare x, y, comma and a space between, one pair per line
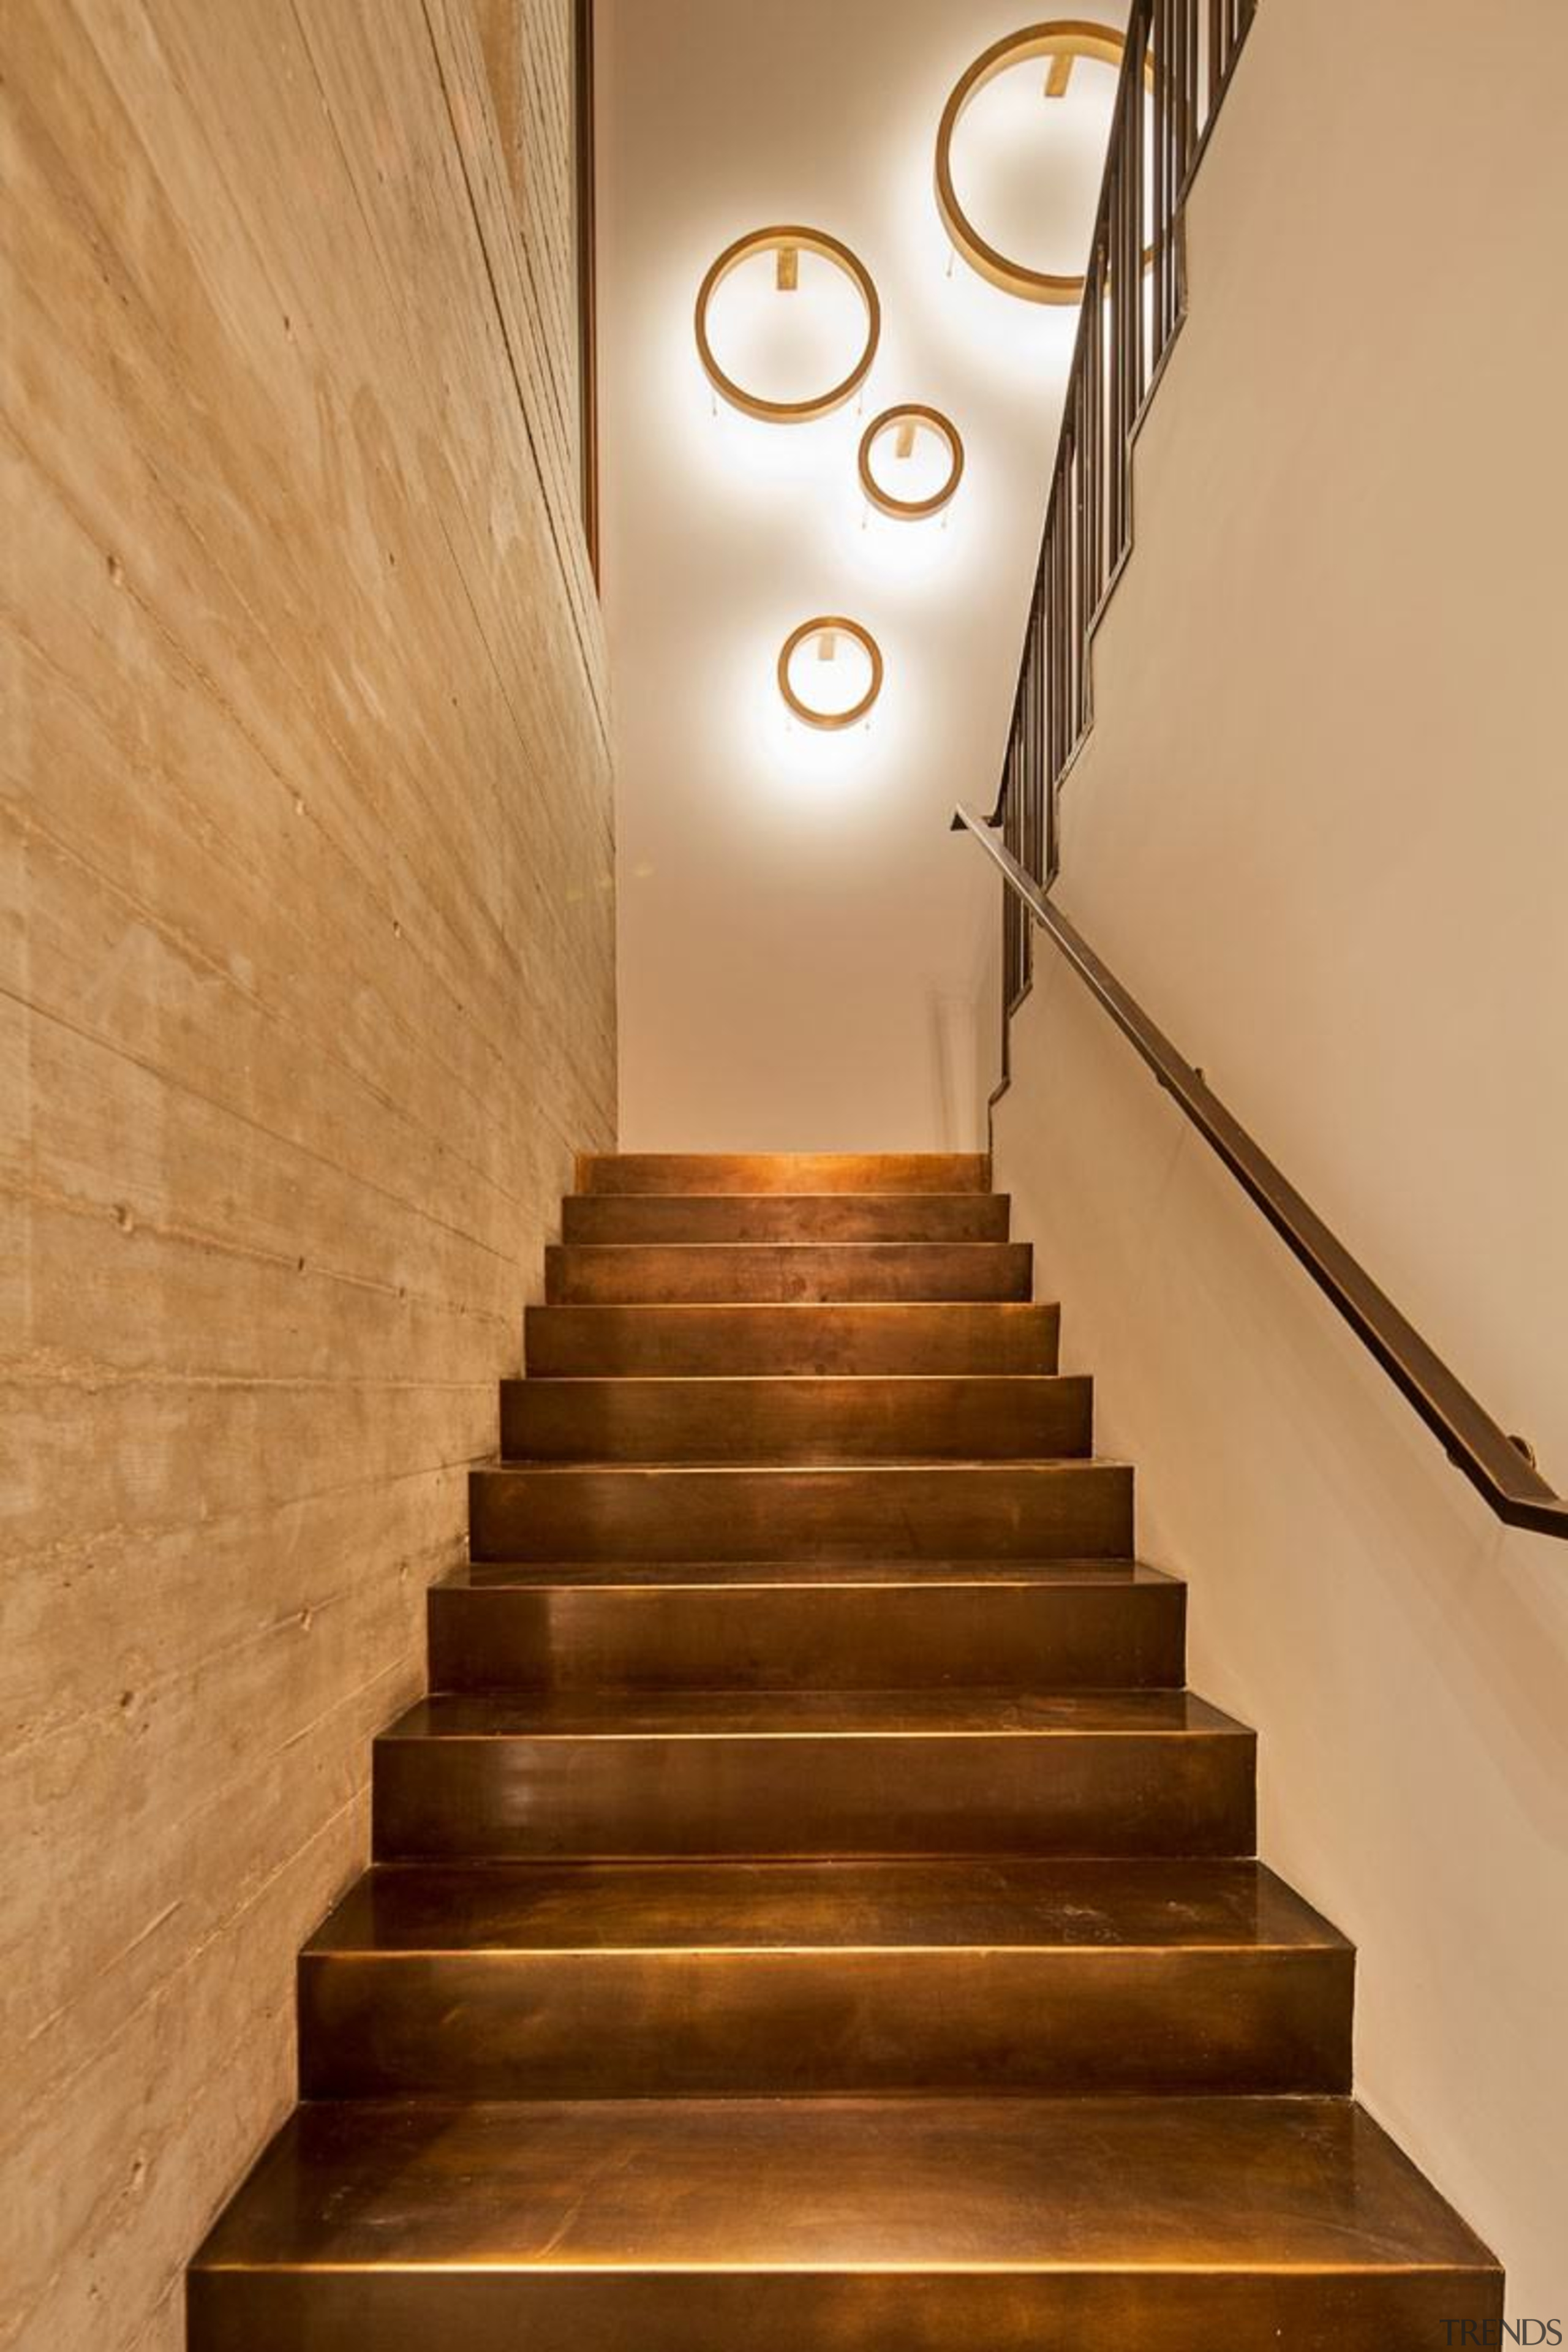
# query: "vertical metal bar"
1181, 33
1053, 761
1031, 721
1159, 48
1097, 362
584, 235
1080, 624
1172, 164
1126, 276
1135, 172
1115, 359
1192, 108
1100, 471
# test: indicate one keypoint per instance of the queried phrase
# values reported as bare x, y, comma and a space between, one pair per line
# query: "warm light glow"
851, 782
1021, 142
758, 526
830, 672
798, 310
911, 462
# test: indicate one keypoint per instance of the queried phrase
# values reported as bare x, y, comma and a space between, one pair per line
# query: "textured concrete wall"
306, 997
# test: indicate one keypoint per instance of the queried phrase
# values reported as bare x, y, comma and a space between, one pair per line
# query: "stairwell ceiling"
802, 942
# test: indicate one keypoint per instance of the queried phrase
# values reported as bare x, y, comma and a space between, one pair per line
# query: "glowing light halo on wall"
787, 242
1062, 40
910, 414
829, 626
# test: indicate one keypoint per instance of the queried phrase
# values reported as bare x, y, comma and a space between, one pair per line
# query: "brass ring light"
830, 720
785, 242
911, 510
1067, 39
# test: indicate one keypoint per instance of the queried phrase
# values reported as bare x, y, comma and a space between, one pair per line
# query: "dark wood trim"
587, 276
1497, 1466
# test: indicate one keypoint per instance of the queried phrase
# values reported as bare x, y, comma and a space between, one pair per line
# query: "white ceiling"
801, 938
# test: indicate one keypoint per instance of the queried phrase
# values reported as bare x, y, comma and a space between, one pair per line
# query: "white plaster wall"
799, 935
1322, 830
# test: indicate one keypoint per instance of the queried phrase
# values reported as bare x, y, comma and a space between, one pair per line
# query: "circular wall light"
824, 634
1062, 42
789, 243
902, 427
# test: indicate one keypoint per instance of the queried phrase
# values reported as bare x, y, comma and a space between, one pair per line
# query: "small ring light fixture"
904, 423
789, 243
1063, 42
827, 629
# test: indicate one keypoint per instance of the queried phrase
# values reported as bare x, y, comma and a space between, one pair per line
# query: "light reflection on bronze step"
783, 1171
813, 1774
648, 1981
954, 1336
846, 2225
795, 1421
1007, 1510
768, 1273
704, 1628
785, 1217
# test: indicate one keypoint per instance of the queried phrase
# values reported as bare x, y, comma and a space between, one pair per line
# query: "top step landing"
783, 1171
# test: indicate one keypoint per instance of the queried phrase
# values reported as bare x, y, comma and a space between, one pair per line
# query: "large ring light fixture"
907, 417
829, 626
787, 242
1062, 41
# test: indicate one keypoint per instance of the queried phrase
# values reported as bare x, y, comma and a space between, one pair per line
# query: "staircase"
810, 1912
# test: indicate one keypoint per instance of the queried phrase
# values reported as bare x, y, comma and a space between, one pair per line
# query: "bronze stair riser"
776, 1171
717, 1342
806, 1794
668, 2024
795, 1422
740, 1274
1082, 1636
845, 2310
1067, 1511
783, 1217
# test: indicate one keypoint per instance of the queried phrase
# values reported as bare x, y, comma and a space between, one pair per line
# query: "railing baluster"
1178, 62
1135, 162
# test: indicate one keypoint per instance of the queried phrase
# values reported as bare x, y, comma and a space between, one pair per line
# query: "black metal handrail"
1501, 1468
1179, 59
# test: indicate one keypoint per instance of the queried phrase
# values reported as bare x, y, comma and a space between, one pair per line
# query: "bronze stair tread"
786, 1272
834, 1575
581, 1772
739, 1511
865, 2223
721, 1715
783, 1171
1085, 1907
793, 1336
821, 1979
786, 1217
798, 1419
938, 1465
783, 1625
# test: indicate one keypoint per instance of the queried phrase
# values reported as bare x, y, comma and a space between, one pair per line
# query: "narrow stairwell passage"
810, 1910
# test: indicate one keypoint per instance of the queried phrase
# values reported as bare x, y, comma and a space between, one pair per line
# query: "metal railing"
1179, 54
1499, 1468
1179, 59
